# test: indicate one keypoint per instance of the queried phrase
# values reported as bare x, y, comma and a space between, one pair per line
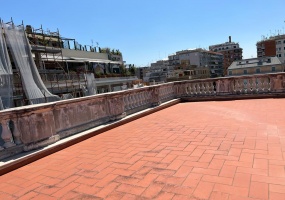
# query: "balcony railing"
30, 127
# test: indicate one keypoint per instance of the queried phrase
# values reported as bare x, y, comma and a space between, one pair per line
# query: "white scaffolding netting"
33, 85
6, 75
91, 84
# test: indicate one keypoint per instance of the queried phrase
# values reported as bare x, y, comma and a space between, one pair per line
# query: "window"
279, 55
245, 71
273, 69
230, 72
257, 70
235, 47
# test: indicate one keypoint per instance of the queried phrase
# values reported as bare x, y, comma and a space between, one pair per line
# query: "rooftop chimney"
230, 39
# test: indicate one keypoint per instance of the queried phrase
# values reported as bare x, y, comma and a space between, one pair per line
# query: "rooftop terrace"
199, 150
117, 146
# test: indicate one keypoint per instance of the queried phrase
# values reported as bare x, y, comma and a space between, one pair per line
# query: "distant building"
255, 66
273, 46
201, 58
186, 64
230, 50
190, 73
141, 72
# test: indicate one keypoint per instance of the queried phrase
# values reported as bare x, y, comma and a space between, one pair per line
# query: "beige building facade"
262, 65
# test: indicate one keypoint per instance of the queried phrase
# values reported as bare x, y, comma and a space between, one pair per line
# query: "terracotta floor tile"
242, 180
260, 163
130, 189
228, 171
153, 190
258, 190
203, 190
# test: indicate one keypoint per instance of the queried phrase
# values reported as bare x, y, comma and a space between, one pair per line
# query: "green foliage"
132, 69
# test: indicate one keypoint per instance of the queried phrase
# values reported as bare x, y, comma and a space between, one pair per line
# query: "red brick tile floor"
201, 150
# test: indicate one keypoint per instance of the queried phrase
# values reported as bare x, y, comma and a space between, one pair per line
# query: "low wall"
30, 127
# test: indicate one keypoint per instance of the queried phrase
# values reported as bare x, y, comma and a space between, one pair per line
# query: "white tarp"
19, 46
6, 75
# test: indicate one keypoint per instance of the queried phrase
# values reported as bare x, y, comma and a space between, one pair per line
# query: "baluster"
194, 91
139, 98
244, 86
165, 93
131, 102
126, 102
160, 95
6, 135
254, 85
259, 85
267, 85
248, 86
204, 92
16, 132
210, 89
170, 91
207, 91
198, 89
136, 99
146, 94
144, 97
238, 87
232, 87
263, 85
190, 89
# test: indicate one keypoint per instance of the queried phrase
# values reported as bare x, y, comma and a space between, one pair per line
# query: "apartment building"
230, 50
272, 46
202, 58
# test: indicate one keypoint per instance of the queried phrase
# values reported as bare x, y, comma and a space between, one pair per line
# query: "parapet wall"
31, 127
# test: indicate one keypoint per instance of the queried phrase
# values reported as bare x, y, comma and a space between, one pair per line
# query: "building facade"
202, 58
255, 66
272, 46
230, 50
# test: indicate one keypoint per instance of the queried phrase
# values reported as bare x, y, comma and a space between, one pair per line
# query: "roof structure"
254, 62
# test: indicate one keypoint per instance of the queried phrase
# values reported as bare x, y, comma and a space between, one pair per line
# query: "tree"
123, 70
132, 69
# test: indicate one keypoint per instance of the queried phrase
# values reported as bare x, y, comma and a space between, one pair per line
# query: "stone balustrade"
30, 127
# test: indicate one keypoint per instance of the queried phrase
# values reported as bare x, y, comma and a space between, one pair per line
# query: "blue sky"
149, 30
